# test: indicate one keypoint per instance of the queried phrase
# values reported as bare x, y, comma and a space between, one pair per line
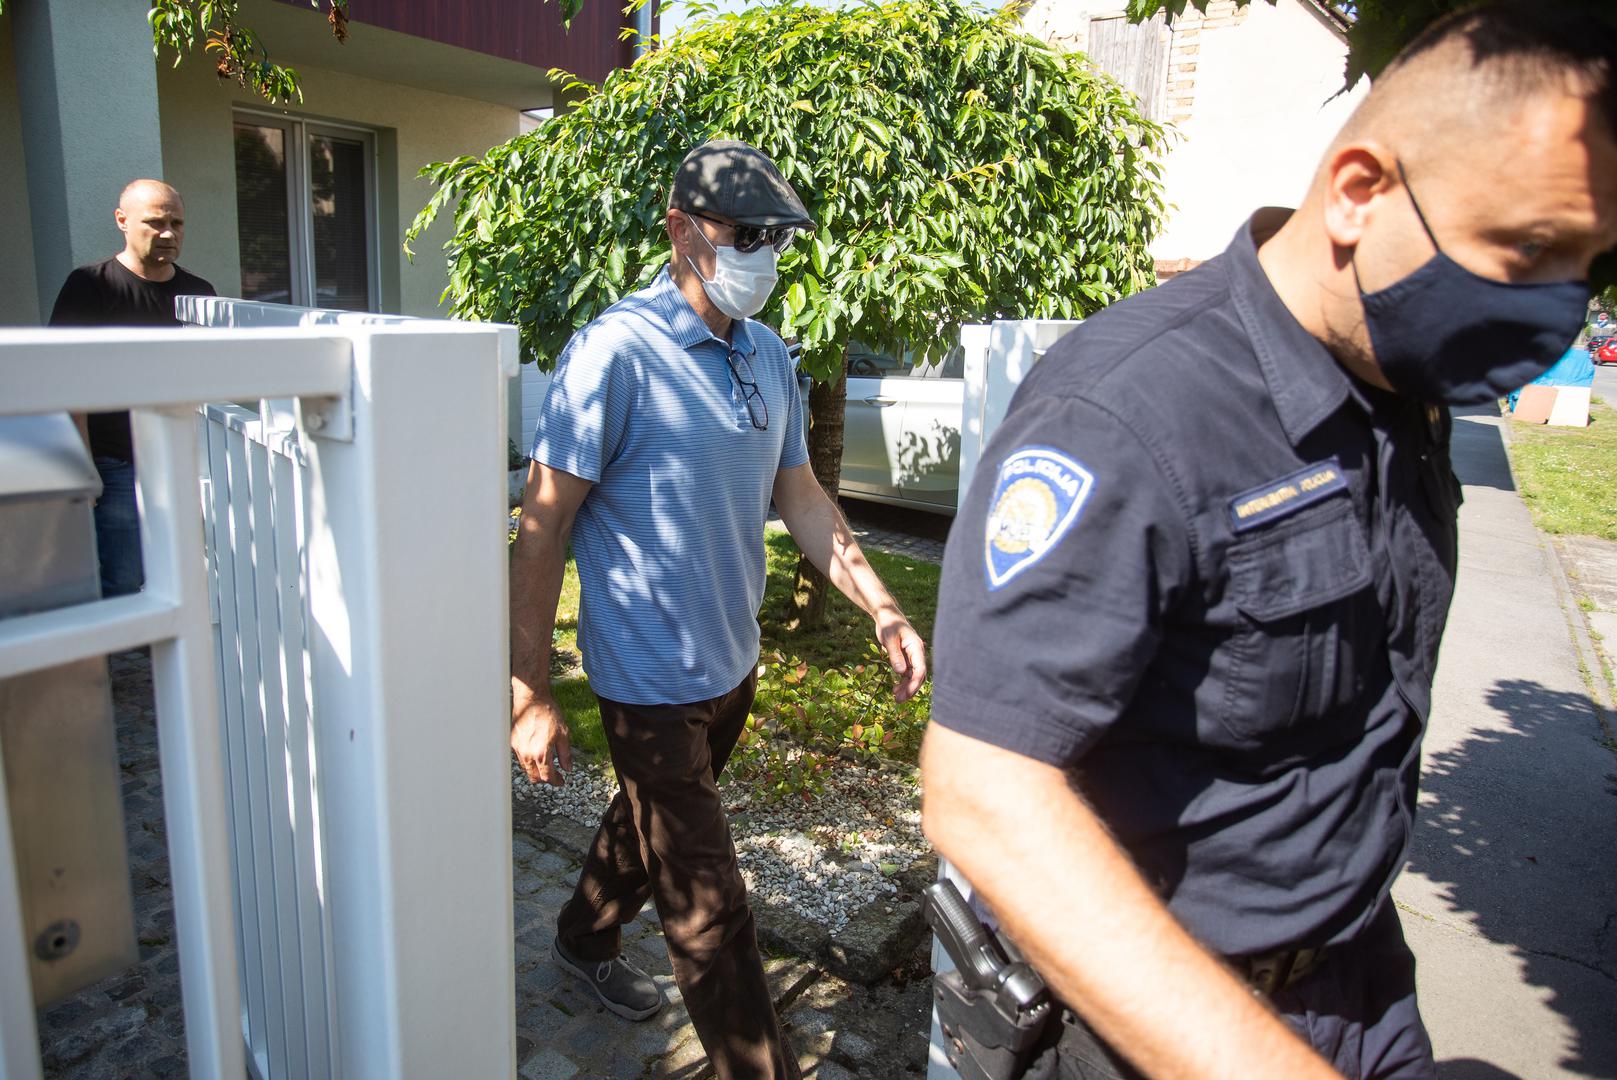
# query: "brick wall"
1188, 31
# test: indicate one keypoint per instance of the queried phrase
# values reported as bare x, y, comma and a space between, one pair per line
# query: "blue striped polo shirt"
670, 540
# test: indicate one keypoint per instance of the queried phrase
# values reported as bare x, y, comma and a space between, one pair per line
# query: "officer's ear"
1356, 174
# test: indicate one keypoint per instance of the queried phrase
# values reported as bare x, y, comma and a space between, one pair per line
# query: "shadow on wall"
1516, 822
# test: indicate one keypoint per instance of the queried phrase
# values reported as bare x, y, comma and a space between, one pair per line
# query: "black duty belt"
1269, 973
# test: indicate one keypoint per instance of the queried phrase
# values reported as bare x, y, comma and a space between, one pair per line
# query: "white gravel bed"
825, 859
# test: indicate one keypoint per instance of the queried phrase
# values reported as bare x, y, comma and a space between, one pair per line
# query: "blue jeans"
117, 529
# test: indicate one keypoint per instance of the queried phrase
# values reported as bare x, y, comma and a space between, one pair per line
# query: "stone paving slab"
875, 942
131, 1026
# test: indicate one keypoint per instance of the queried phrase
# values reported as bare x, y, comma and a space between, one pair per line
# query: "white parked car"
901, 434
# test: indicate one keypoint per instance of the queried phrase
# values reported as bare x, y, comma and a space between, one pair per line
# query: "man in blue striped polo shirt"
672, 422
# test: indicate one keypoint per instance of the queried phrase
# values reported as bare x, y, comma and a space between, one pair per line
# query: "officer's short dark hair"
1523, 47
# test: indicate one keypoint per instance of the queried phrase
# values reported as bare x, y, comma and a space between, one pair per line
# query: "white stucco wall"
1265, 109
1252, 95
19, 293
414, 127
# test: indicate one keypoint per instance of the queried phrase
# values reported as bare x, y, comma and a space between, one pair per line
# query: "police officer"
1191, 607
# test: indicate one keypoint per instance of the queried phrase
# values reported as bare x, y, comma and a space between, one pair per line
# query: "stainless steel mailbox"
56, 726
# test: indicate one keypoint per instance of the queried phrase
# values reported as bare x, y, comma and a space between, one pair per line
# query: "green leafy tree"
959, 170
237, 52
183, 26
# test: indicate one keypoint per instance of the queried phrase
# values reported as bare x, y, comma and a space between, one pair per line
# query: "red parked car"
1603, 351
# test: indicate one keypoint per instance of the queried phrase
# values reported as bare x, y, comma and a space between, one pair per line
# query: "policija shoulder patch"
1038, 496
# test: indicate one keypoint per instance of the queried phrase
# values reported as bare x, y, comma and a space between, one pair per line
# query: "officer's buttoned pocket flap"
1303, 563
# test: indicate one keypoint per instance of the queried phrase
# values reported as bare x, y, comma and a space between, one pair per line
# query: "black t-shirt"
108, 294
1207, 572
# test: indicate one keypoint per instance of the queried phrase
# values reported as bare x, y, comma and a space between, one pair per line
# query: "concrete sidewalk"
1510, 896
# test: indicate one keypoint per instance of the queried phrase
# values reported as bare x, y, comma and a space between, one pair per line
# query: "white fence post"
196, 812
998, 357
418, 677
19, 1036
363, 796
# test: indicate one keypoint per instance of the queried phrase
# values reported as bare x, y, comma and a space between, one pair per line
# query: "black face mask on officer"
1446, 335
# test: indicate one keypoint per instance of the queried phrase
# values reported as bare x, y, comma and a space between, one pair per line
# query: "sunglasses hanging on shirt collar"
1449, 336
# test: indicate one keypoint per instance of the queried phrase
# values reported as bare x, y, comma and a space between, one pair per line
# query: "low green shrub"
807, 718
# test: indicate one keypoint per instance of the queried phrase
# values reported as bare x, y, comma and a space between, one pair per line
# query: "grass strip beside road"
840, 643
1568, 476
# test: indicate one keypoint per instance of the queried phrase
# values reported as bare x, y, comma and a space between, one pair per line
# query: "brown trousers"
665, 838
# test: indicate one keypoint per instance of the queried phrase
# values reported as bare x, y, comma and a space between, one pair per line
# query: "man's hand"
906, 652
538, 728
1087, 921
539, 735
820, 531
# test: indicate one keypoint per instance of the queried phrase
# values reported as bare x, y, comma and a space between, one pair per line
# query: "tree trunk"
827, 402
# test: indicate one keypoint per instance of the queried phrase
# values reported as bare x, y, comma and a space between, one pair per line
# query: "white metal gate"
333, 751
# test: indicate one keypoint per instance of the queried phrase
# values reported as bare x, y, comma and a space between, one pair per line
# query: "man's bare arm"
822, 533
538, 729
1075, 905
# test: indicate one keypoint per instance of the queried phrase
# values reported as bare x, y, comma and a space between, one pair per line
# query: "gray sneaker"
621, 986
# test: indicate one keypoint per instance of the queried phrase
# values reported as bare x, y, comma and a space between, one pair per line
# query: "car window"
952, 365
870, 363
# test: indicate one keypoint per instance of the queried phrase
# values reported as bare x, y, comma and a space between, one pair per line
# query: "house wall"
521, 30
82, 137
413, 127
1260, 104
19, 293
1252, 97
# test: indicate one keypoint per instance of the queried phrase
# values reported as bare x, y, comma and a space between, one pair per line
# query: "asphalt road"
1606, 383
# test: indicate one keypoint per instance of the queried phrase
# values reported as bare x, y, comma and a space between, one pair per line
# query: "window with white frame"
306, 212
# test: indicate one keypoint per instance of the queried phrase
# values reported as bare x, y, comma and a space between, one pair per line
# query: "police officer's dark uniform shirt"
1207, 570
107, 293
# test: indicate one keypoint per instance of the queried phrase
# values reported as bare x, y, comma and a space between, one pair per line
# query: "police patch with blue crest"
1038, 497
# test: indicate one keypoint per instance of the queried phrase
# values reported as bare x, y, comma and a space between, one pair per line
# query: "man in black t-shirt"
135, 287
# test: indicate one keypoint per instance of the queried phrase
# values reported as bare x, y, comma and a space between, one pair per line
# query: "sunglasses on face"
749, 238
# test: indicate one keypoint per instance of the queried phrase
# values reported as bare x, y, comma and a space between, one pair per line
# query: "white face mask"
741, 282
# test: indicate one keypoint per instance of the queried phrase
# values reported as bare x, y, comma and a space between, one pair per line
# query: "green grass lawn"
1569, 475
840, 643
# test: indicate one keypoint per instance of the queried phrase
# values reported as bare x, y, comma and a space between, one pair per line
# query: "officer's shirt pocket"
1304, 605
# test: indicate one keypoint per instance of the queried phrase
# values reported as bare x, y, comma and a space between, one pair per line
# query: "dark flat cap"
732, 180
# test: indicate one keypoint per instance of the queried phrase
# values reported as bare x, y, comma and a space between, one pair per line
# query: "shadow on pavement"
1479, 451
897, 519
1514, 822
1472, 1069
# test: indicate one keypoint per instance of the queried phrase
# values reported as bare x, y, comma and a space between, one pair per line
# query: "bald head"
151, 215
142, 192
1446, 97
1490, 140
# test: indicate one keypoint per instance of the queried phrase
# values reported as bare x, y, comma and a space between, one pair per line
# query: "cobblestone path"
131, 1026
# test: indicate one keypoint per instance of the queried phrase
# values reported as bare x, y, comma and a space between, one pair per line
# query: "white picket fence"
329, 654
